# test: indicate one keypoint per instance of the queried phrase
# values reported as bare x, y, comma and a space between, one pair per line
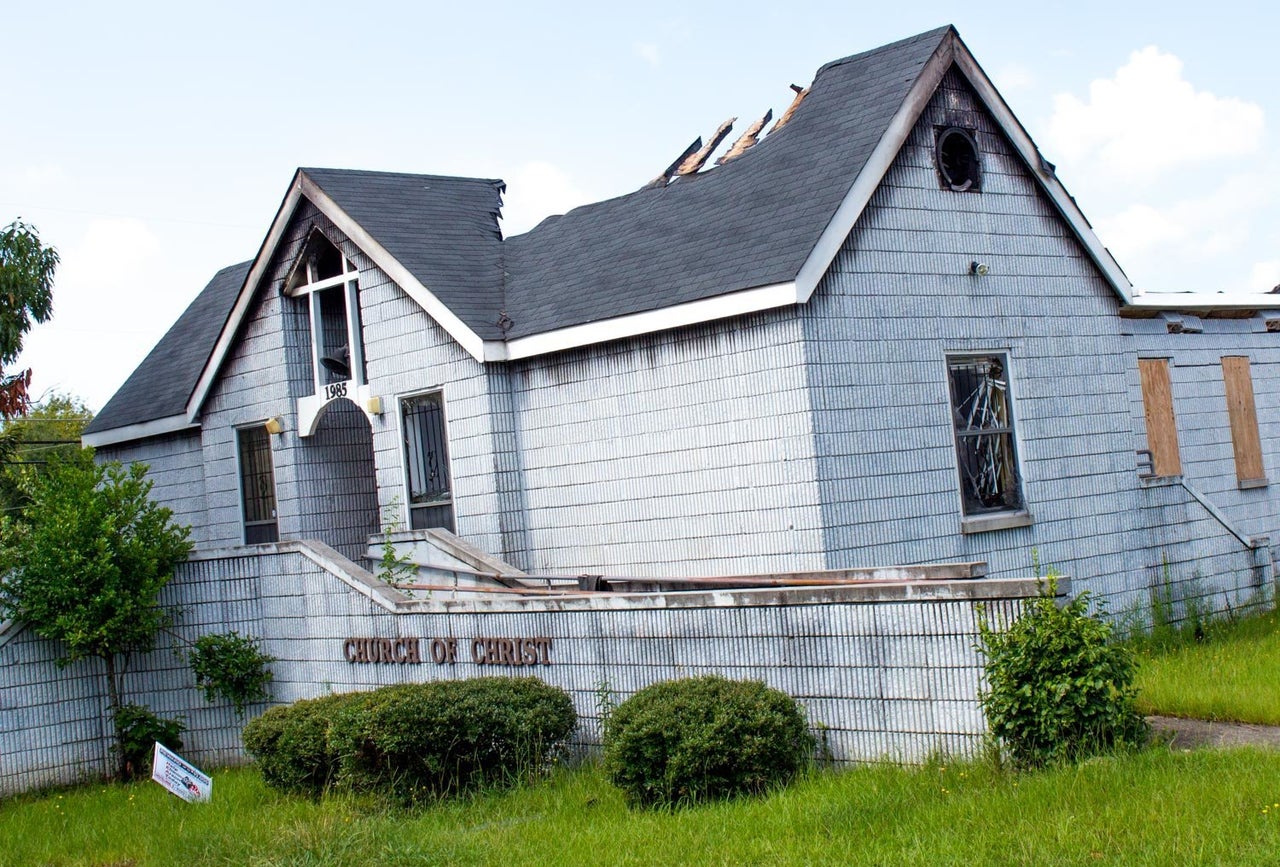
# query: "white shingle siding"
684, 453
890, 679
177, 473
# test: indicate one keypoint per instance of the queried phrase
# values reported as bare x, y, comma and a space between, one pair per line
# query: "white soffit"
662, 319
155, 427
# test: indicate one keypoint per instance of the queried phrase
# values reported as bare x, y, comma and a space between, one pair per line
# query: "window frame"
257, 428
303, 281
402, 433
984, 520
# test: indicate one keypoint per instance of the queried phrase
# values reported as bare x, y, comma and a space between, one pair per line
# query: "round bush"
702, 738
291, 743
1058, 687
422, 740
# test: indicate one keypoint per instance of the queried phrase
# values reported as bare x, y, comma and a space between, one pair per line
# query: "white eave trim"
128, 433
1041, 171
1204, 301
304, 186
952, 49
447, 319
635, 324
873, 172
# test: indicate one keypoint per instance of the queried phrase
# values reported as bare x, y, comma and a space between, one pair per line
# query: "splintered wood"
801, 93
695, 162
747, 140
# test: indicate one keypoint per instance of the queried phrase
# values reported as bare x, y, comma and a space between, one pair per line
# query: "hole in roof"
957, 158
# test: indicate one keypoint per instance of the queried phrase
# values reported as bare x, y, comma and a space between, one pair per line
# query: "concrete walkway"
1191, 733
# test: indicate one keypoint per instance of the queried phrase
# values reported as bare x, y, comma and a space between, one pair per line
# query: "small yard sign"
187, 782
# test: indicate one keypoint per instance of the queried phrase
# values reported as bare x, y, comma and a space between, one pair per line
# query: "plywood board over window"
1157, 405
1243, 414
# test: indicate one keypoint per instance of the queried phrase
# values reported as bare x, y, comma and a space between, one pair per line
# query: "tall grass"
1231, 673
1157, 807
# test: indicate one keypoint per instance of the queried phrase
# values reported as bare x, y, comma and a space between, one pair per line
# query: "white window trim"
407, 507
1007, 518
275, 487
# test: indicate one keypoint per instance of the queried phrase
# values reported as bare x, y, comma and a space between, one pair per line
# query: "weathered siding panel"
898, 299
686, 453
881, 674
176, 470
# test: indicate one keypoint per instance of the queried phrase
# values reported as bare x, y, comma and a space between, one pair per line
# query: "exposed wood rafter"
747, 139
695, 162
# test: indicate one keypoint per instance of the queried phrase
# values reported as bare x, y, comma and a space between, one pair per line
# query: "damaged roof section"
748, 223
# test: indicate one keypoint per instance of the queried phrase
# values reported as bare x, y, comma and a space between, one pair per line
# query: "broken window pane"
981, 405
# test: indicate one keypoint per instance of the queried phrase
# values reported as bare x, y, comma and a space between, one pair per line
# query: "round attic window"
957, 156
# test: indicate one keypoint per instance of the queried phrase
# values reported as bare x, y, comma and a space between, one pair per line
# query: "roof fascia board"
141, 430
877, 165
1048, 181
690, 313
1203, 301
435, 308
247, 291
300, 187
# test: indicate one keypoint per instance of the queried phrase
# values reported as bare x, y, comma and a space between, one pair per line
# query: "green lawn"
1234, 674
1158, 807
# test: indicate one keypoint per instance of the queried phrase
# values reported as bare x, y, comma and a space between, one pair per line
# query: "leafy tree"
50, 430
26, 294
85, 563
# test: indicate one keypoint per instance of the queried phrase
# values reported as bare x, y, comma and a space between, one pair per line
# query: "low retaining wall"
884, 671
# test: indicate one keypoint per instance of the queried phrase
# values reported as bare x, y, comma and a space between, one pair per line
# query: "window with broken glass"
982, 411
426, 452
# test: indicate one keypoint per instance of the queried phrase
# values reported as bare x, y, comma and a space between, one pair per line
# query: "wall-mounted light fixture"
373, 406
979, 269
274, 425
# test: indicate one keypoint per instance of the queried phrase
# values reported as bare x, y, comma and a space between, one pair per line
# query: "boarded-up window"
1157, 404
1244, 422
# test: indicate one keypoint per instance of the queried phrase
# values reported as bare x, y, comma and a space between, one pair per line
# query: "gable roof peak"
935, 35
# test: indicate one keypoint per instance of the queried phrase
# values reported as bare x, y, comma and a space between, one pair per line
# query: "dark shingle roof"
162, 384
443, 230
751, 222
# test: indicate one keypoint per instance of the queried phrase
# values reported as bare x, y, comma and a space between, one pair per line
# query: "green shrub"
701, 738
291, 743
415, 741
1058, 688
139, 730
231, 666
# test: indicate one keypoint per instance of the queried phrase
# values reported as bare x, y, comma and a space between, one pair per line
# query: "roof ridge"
386, 174
935, 33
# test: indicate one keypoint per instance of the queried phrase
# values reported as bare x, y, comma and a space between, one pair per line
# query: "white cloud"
1014, 78
110, 298
1149, 119
110, 254
648, 52
36, 177
535, 190
1264, 276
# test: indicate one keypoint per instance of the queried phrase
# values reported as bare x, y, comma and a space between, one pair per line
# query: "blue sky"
151, 143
